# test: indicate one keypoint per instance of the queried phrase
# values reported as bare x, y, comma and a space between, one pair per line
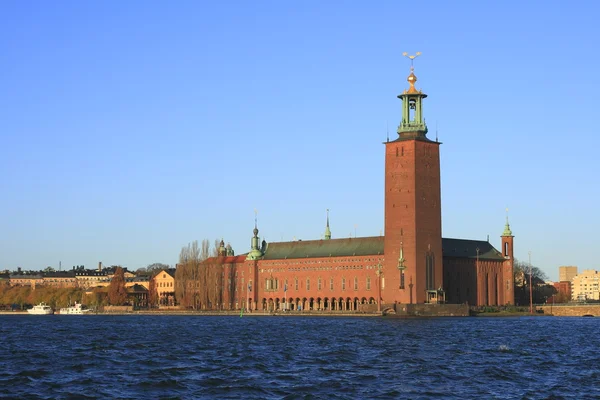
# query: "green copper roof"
507, 231
465, 248
372, 245
254, 254
325, 248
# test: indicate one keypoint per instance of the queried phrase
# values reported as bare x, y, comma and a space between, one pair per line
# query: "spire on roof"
327, 230
255, 251
507, 231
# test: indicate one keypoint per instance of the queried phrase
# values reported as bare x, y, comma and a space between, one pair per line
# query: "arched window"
296, 283
331, 283
368, 283
319, 284
506, 249
343, 283
355, 283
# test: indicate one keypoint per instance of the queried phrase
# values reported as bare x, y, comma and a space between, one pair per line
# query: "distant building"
563, 291
139, 295
567, 273
31, 280
164, 282
60, 279
91, 278
138, 280
586, 286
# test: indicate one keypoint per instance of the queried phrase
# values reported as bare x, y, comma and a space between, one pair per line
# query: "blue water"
298, 357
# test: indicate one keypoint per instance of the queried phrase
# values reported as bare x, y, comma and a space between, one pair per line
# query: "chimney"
99, 266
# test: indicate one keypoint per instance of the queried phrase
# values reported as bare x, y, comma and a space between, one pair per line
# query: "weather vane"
412, 58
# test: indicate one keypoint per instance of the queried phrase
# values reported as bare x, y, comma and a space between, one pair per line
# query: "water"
298, 357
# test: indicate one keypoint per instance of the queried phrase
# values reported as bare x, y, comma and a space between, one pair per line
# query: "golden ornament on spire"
412, 78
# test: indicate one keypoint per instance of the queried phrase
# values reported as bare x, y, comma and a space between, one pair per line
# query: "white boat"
78, 308
41, 309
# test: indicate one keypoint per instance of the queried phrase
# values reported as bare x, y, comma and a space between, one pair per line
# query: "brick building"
411, 263
563, 292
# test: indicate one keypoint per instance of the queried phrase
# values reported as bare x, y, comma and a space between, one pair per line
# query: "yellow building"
586, 286
164, 282
566, 273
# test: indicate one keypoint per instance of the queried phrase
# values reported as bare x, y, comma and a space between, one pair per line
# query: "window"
343, 283
319, 284
506, 249
307, 284
429, 271
368, 283
331, 284
355, 283
296, 283
402, 279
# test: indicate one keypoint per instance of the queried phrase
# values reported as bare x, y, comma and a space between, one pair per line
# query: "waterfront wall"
430, 310
571, 310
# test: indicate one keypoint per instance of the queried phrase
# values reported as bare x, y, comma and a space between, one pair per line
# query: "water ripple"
175, 357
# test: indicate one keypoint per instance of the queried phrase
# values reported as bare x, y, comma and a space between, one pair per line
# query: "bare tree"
215, 251
205, 252
199, 280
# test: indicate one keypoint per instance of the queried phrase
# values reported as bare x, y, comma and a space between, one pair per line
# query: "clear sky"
129, 129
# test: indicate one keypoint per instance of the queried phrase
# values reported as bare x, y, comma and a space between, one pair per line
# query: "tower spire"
507, 231
327, 235
255, 252
413, 124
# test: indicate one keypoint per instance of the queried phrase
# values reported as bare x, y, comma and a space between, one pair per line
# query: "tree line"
200, 281
24, 296
540, 291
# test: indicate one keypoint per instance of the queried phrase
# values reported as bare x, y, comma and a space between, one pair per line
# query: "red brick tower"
413, 217
507, 288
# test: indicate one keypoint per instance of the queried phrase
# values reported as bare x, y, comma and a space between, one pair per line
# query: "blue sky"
129, 129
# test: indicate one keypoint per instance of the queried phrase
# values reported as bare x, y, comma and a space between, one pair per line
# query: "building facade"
563, 292
586, 286
164, 283
410, 264
567, 273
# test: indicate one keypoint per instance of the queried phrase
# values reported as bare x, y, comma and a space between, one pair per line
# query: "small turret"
229, 250
507, 231
255, 252
222, 251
